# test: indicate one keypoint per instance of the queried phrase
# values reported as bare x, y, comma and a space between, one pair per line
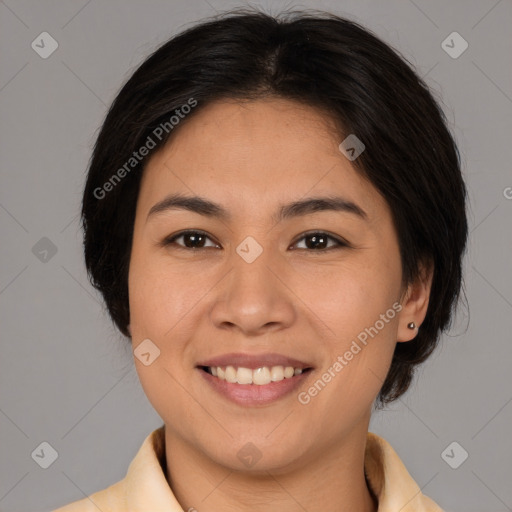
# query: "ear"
415, 303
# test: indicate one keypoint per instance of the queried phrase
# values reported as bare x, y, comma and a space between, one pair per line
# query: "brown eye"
190, 240
318, 241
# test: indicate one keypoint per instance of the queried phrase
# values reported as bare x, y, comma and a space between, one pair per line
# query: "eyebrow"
298, 208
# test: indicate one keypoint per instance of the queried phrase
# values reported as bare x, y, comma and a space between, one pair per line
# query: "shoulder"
144, 481
107, 500
390, 481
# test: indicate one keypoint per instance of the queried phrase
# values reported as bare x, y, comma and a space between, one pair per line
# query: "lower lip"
253, 394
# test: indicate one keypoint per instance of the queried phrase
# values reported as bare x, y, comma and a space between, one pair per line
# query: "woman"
275, 215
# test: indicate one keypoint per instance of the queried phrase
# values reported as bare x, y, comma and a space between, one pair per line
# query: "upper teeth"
259, 376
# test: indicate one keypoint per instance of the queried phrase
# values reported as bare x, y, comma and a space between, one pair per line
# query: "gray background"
68, 378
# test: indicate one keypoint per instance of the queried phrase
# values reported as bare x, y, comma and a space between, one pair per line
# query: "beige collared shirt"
145, 488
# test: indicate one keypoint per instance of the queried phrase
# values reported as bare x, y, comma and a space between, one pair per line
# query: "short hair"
317, 59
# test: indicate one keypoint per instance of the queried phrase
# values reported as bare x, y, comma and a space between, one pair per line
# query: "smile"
259, 376
251, 388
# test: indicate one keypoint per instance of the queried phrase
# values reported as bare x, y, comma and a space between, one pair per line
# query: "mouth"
261, 376
254, 379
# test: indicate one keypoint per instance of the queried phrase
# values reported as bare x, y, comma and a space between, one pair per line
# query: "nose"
255, 298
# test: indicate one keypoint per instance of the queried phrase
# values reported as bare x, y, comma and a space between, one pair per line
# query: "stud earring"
411, 325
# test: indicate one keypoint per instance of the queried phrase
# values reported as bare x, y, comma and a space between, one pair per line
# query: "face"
253, 276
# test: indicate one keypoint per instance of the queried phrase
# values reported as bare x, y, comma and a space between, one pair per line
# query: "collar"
145, 486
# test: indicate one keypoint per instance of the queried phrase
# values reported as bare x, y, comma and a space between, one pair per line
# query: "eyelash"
340, 243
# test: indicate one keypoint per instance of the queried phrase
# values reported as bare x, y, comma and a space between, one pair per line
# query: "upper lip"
253, 361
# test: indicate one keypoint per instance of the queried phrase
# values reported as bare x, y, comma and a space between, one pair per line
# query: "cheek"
165, 303
158, 310
358, 350
358, 304
349, 297
160, 295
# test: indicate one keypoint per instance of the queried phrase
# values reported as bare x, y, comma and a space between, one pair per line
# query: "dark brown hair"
320, 60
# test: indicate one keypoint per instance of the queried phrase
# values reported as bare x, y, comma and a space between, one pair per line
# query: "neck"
332, 481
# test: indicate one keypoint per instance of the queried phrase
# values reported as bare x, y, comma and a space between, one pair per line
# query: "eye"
191, 240
319, 241
315, 241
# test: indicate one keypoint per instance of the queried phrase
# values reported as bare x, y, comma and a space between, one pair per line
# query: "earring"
411, 325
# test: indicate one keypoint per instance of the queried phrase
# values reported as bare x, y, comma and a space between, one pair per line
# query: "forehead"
268, 150
258, 129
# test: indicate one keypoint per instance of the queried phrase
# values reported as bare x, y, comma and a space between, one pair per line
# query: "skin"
294, 299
